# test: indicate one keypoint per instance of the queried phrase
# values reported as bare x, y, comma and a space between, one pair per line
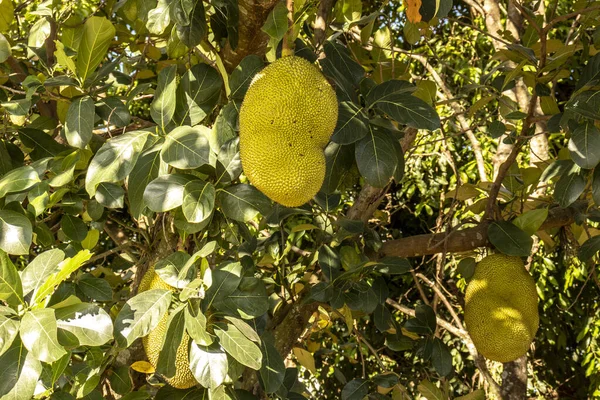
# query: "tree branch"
252, 40
466, 239
325, 7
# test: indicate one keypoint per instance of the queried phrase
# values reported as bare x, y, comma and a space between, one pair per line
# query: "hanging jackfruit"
153, 342
501, 308
286, 120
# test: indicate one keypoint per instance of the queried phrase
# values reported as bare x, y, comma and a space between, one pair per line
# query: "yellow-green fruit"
501, 308
183, 377
286, 120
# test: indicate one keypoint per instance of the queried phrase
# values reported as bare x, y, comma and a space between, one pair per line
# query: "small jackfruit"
286, 120
153, 342
501, 308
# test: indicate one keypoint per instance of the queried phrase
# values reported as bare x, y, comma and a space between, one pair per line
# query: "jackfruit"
183, 378
501, 308
286, 120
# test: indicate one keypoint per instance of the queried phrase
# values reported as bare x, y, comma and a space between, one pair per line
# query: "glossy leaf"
186, 147
42, 266
166, 192
79, 122
376, 158
39, 335
15, 232
115, 159
140, 315
352, 124
11, 289
584, 146
90, 324
208, 364
509, 239
97, 35
18, 180
237, 345
242, 202
162, 108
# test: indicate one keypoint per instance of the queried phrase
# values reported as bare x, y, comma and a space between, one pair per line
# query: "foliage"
119, 153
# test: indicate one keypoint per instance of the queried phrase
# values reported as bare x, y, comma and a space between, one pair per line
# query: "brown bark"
466, 239
514, 379
252, 40
325, 7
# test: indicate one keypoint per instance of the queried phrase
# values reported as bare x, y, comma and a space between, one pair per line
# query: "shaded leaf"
509, 239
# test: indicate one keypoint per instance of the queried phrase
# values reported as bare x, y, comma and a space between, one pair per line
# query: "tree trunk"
514, 380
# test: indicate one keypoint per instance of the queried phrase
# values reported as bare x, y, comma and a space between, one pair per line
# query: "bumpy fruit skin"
501, 308
183, 377
286, 120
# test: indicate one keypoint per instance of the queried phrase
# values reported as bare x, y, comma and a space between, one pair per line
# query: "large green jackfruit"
286, 120
153, 342
501, 308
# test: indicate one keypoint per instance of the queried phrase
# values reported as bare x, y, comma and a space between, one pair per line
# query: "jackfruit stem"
287, 48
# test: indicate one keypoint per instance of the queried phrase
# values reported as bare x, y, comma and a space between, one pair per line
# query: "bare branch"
466, 239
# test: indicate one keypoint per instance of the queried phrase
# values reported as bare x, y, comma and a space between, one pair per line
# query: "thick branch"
464, 240
325, 7
252, 40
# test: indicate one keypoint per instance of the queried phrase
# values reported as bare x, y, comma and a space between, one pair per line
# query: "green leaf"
113, 111
466, 267
225, 279
342, 61
162, 107
159, 18
382, 317
79, 122
569, 187
166, 192
5, 50
74, 228
42, 144
15, 232
351, 124
38, 270
166, 364
169, 269
430, 391
197, 94
277, 22
120, 382
339, 160
195, 325
18, 108
478, 394
90, 324
509, 239
584, 146
208, 364
198, 201
148, 167
238, 346
356, 389
38, 332
242, 75
140, 315
97, 35
393, 265
229, 165
589, 248
192, 33
97, 289
18, 180
329, 262
496, 129
64, 270
20, 372
531, 221
249, 300
186, 147
9, 328
410, 110
242, 202
376, 158
115, 159
387, 90
441, 358
110, 195
11, 289
272, 371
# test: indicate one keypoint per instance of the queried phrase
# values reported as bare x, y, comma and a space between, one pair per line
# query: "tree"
463, 129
